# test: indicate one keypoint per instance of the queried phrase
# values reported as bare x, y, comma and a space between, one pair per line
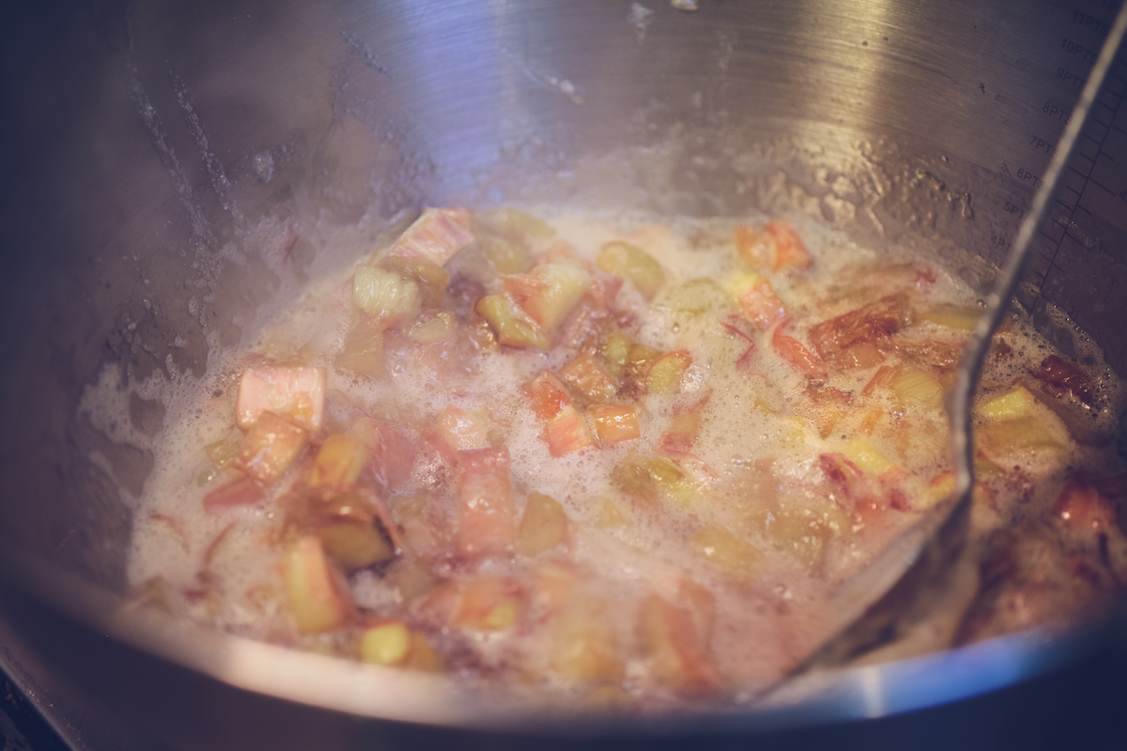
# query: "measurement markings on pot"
1073, 190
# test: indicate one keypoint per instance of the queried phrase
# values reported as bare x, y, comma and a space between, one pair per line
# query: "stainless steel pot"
172, 168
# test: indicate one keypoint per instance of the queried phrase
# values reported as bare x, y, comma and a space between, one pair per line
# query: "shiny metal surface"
171, 167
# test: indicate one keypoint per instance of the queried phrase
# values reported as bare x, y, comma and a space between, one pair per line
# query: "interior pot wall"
179, 166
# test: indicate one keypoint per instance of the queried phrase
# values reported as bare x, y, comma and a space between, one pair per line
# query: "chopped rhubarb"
458, 429
488, 603
242, 491
393, 451
436, 236
386, 644
684, 427
512, 326
587, 376
549, 292
543, 526
790, 251
761, 305
919, 389
651, 479
362, 352
386, 295
844, 475
634, 265
339, 463
665, 374
796, 353
1062, 377
317, 595
775, 247
355, 545
431, 278
548, 395
1082, 508
486, 518
872, 323
614, 423
270, 447
676, 647
726, 551
296, 392
566, 432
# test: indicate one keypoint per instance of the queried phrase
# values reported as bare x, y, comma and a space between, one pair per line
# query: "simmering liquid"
616, 457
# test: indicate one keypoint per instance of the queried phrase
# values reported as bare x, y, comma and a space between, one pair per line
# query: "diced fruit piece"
386, 644
386, 295
511, 325
435, 236
861, 357
430, 278
1063, 377
664, 375
393, 451
614, 423
318, 600
432, 328
870, 323
505, 254
488, 603
548, 395
880, 379
805, 528
242, 491
865, 455
517, 223
270, 447
634, 265
1084, 509
549, 292
424, 656
583, 650
1015, 403
797, 354
1042, 432
677, 649
790, 251
759, 303
684, 427
587, 376
726, 551
917, 389
566, 432
651, 479
776, 246
424, 526
363, 350
339, 462
543, 526
486, 518
459, 429
844, 475
355, 545
956, 317
616, 351
610, 515
694, 298
297, 392
482, 338
739, 283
